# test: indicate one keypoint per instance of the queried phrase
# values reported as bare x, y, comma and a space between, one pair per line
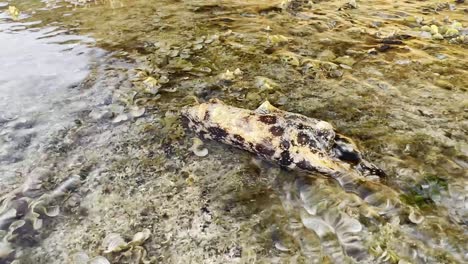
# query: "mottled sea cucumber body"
287, 139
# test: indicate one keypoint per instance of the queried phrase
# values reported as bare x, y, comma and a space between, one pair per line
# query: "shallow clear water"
92, 151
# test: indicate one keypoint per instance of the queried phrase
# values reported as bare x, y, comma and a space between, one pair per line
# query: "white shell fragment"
120, 118
113, 242
16, 224
197, 148
415, 217
37, 223
281, 247
319, 226
7, 216
140, 237
5, 249
80, 258
52, 211
99, 260
137, 111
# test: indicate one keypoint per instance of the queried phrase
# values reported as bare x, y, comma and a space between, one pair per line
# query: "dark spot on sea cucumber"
251, 145
264, 150
324, 134
284, 145
313, 144
313, 149
305, 165
301, 126
207, 116
239, 138
277, 131
285, 159
202, 134
185, 121
303, 139
378, 172
372, 170
217, 133
268, 119
195, 123
247, 118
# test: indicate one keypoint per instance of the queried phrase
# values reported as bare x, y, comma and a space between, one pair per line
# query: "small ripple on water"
25, 125
39, 67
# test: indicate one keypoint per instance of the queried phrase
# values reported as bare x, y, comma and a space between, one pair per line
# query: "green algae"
422, 193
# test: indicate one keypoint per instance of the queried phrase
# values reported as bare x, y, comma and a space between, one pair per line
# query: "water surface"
82, 164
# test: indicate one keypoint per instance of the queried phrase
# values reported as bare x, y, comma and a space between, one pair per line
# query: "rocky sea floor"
95, 166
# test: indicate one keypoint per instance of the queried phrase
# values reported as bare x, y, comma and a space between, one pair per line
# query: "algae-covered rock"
426, 28
277, 39
434, 29
326, 55
14, 12
264, 83
346, 60
288, 57
444, 84
438, 36
451, 32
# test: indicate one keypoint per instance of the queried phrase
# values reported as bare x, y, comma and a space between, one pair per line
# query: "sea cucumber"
288, 139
